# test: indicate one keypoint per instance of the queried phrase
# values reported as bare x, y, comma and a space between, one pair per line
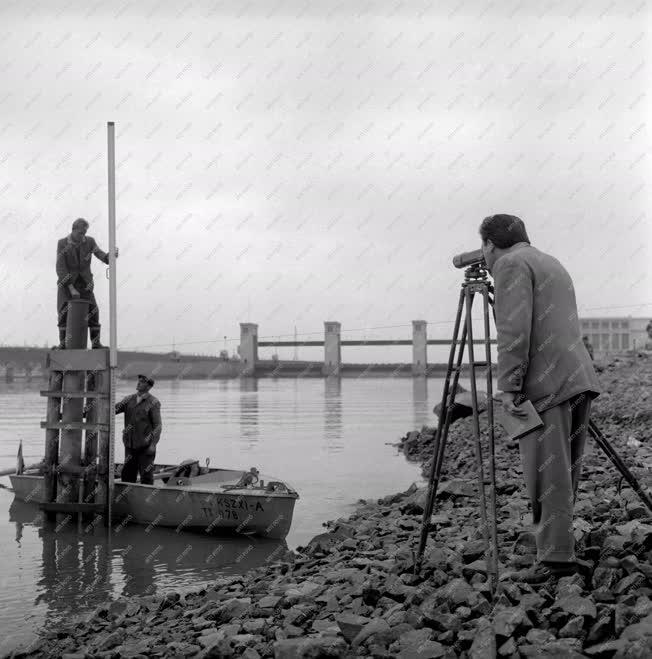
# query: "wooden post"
51, 456
70, 448
102, 384
90, 445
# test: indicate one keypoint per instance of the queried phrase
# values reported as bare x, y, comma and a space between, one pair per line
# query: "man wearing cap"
141, 432
75, 279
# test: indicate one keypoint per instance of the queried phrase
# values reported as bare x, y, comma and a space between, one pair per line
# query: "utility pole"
296, 347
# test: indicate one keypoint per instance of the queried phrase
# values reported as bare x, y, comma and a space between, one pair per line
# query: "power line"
362, 329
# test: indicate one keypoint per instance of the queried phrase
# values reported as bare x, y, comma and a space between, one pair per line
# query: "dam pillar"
248, 349
332, 348
419, 347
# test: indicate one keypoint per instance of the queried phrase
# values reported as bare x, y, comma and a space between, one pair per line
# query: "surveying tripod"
476, 282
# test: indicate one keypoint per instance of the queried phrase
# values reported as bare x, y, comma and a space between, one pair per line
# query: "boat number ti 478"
228, 508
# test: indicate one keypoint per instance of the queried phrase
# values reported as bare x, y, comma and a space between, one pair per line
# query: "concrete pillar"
248, 349
419, 347
332, 348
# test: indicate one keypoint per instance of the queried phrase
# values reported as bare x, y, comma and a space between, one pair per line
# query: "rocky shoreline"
352, 592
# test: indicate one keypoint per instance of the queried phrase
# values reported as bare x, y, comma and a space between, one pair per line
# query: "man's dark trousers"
138, 463
551, 458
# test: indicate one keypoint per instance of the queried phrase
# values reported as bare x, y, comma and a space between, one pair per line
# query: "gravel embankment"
352, 592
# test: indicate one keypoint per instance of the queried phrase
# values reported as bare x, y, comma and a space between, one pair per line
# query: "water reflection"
249, 410
420, 401
79, 571
333, 413
75, 574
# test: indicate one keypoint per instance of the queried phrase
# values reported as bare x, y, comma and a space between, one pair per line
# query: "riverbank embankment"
351, 591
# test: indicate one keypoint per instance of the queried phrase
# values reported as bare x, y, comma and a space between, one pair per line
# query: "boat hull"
190, 506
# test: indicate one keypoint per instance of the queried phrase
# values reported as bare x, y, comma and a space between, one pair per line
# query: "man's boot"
62, 339
95, 337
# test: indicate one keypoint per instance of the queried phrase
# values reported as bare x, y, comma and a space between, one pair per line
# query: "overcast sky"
289, 163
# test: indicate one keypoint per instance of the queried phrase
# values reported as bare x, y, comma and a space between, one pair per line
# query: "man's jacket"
74, 260
540, 349
142, 421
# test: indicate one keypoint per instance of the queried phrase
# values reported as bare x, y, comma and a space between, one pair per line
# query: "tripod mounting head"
476, 266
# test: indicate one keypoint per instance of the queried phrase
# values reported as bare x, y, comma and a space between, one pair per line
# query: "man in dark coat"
75, 279
141, 433
541, 357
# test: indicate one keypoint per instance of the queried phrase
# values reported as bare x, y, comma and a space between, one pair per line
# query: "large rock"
484, 641
415, 636
424, 650
108, 641
373, 627
233, 608
630, 581
565, 648
350, 625
609, 649
508, 648
268, 602
605, 577
305, 591
472, 550
507, 621
310, 647
325, 543
577, 605
456, 488
457, 591
639, 631
573, 628
342, 574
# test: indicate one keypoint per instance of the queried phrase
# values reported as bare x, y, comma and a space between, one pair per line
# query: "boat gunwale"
243, 492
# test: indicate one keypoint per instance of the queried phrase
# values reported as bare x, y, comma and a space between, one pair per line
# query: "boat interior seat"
187, 469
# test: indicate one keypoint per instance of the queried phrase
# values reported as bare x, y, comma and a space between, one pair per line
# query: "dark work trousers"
551, 458
138, 463
63, 297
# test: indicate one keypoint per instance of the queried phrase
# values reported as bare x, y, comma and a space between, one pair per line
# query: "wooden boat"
191, 498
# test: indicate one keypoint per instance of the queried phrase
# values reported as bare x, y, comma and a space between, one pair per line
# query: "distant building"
616, 334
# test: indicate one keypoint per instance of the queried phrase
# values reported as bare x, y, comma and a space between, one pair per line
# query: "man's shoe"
542, 572
62, 340
95, 338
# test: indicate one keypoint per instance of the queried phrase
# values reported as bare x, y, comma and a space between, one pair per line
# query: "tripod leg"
490, 419
478, 446
442, 431
609, 450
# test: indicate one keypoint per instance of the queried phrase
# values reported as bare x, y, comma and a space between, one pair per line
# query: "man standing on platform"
541, 357
141, 433
75, 279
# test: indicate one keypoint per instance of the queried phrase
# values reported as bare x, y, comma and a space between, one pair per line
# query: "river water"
329, 438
